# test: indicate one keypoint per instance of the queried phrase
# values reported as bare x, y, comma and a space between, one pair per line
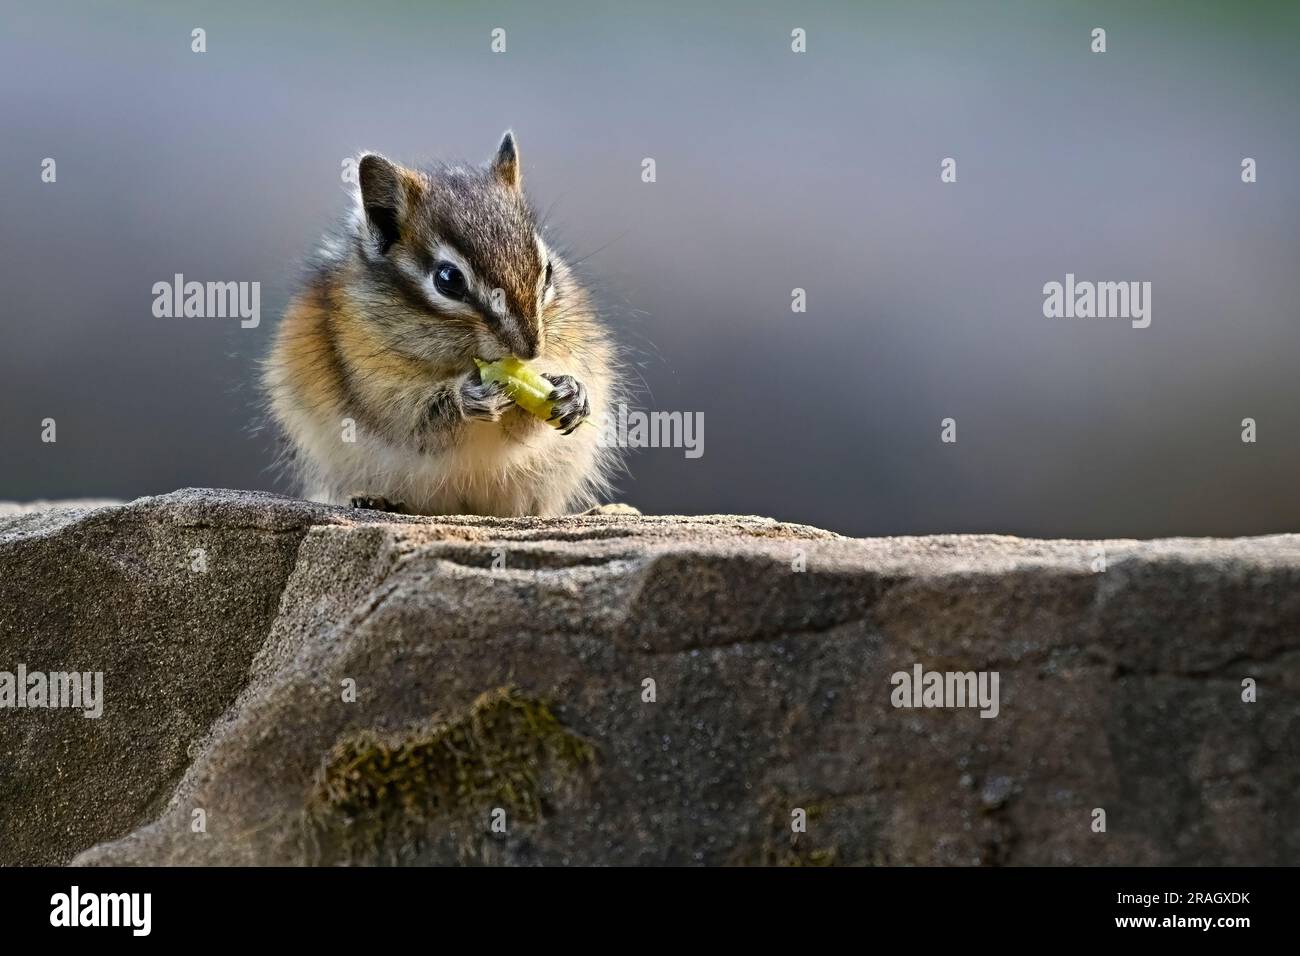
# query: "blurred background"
775, 170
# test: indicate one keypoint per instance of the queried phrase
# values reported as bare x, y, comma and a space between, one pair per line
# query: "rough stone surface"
500, 665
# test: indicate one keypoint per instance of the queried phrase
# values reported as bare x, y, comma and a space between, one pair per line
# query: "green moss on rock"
507, 750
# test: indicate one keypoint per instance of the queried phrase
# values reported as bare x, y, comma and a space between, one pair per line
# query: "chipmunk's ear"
383, 198
505, 164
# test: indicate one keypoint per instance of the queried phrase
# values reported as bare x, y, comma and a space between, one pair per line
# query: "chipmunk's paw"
378, 504
484, 403
614, 508
570, 407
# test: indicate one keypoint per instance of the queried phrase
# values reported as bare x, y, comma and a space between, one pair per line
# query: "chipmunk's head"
455, 268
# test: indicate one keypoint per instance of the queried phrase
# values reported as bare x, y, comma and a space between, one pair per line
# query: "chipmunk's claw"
570, 404
482, 402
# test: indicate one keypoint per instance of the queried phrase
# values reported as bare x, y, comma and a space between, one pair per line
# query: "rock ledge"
501, 670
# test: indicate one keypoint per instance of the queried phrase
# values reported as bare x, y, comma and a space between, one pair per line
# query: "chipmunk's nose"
522, 341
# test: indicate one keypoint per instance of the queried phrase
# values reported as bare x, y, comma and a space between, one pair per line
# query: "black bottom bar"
337, 905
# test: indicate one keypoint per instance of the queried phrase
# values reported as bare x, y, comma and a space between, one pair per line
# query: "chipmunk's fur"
372, 375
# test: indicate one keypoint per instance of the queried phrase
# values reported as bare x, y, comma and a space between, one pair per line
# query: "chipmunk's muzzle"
520, 340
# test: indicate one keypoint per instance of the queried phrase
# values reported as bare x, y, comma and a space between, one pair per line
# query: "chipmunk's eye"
450, 281
549, 274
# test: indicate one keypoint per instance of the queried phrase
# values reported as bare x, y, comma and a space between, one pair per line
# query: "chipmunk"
372, 375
